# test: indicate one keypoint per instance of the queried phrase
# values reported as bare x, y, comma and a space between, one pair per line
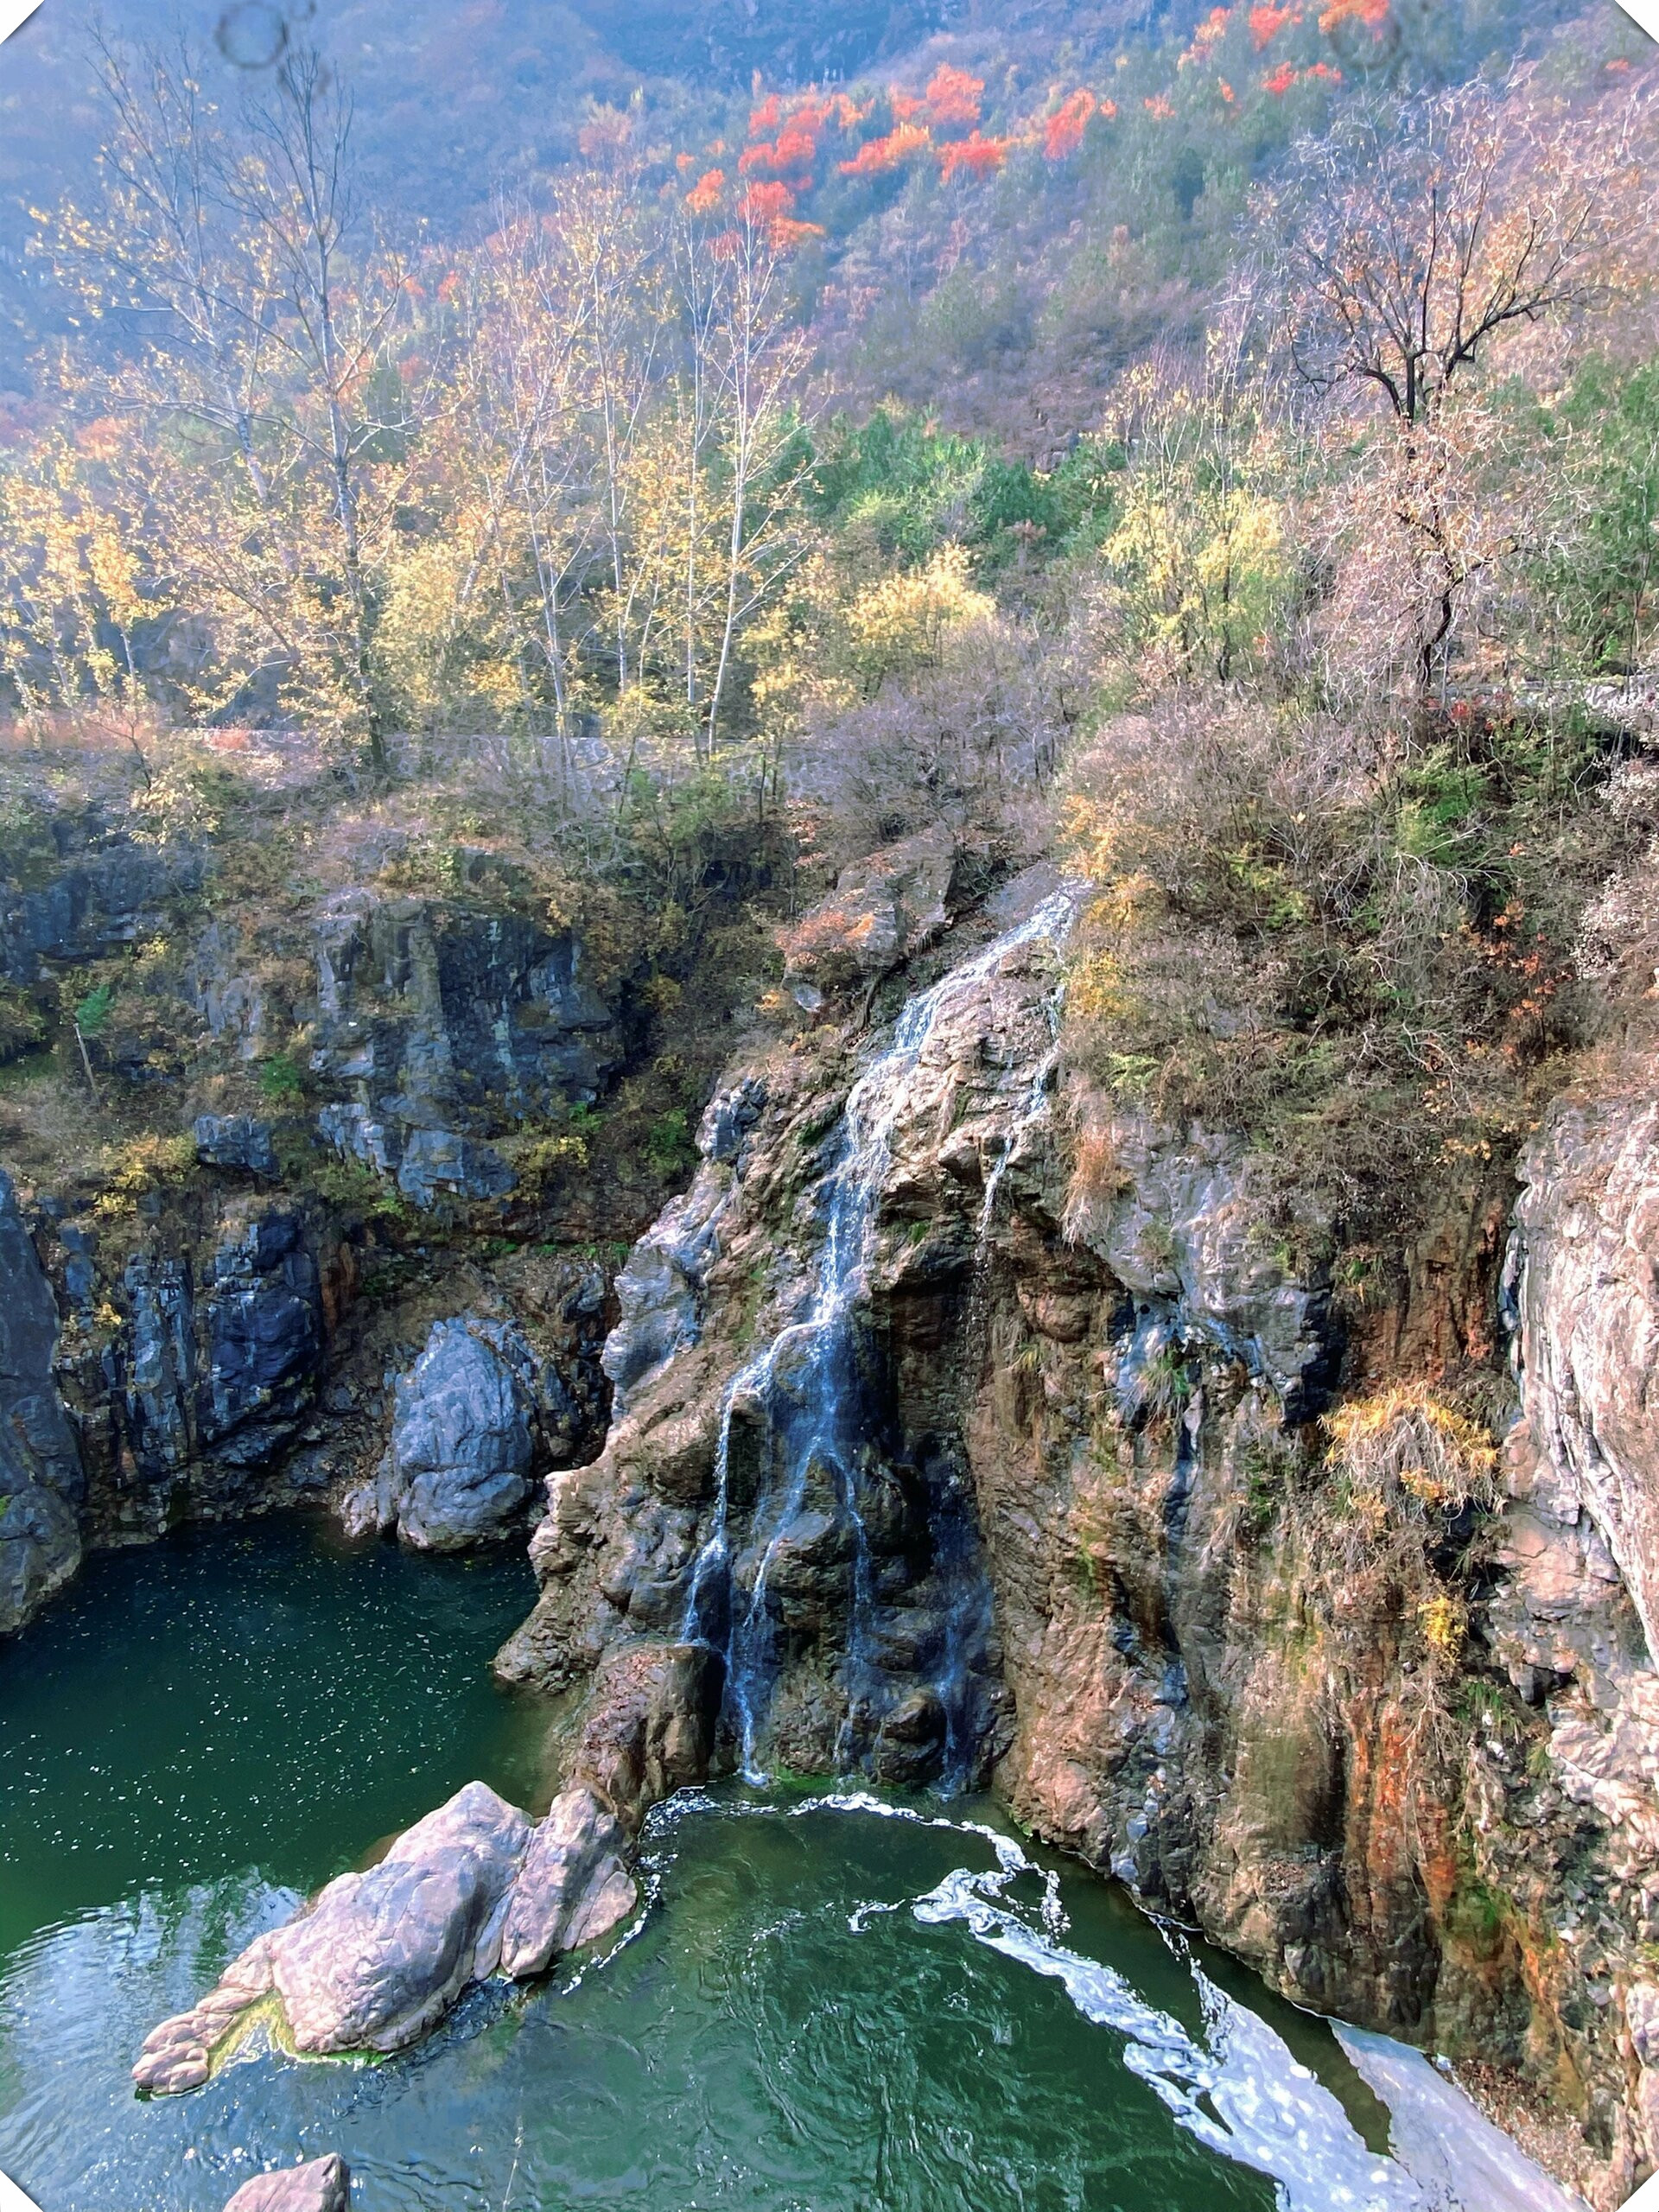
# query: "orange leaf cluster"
1373, 14
704, 195
1266, 22
974, 156
767, 203
1281, 80
1063, 131
876, 155
1157, 106
1210, 32
953, 99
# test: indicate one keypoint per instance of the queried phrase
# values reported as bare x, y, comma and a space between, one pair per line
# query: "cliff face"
1224, 1590
208, 1314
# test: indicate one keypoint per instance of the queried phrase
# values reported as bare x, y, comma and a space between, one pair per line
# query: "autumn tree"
1410, 241
259, 325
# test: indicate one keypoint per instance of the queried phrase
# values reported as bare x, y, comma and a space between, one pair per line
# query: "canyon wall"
1225, 1576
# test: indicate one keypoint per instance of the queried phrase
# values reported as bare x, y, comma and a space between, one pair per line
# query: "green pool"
832, 2004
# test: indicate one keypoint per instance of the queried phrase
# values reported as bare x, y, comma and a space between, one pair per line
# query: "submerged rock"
319, 2185
457, 1472
376, 1959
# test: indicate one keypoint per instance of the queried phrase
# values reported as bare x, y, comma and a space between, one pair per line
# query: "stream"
833, 2000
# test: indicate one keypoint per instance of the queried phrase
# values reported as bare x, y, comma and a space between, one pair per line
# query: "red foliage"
1323, 69
767, 115
1063, 131
704, 195
876, 155
1281, 81
1158, 106
1227, 93
1266, 22
1210, 33
953, 98
975, 156
767, 203
904, 105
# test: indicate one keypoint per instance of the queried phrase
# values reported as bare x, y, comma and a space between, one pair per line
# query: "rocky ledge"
376, 1959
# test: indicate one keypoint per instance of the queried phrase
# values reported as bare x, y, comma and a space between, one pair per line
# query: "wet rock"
376, 1959
660, 1287
42, 1482
319, 2185
727, 1119
237, 1141
458, 1469
572, 1889
649, 1727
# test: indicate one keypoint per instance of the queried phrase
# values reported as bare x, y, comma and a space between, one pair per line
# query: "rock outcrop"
438, 1027
376, 1959
42, 1484
1416, 1787
457, 1472
319, 2185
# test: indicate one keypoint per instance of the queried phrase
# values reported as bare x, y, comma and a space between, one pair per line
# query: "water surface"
831, 2004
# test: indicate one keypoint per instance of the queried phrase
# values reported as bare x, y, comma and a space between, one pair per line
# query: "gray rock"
458, 1469
41, 1480
437, 1163
659, 1287
1588, 1306
263, 1326
102, 899
237, 1141
319, 2185
572, 1889
381, 1956
376, 1958
727, 1121
446, 1025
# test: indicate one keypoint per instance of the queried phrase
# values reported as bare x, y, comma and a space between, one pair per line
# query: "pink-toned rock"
377, 1959
572, 1889
382, 1956
319, 2185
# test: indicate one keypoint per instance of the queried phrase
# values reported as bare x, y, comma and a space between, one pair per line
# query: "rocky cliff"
1044, 1462
298, 1209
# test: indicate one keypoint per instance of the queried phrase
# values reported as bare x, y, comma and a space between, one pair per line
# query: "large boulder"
319, 2185
41, 1481
377, 1957
572, 1889
381, 1956
883, 910
457, 1472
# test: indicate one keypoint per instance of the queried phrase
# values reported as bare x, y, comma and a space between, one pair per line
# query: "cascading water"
804, 1387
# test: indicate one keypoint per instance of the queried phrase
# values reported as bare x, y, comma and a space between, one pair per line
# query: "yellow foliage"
1445, 1624
898, 625
142, 1164
1407, 1439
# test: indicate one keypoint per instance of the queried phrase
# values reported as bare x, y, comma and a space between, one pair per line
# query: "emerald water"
832, 2003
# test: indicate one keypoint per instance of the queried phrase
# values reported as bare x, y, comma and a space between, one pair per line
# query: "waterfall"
805, 1386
